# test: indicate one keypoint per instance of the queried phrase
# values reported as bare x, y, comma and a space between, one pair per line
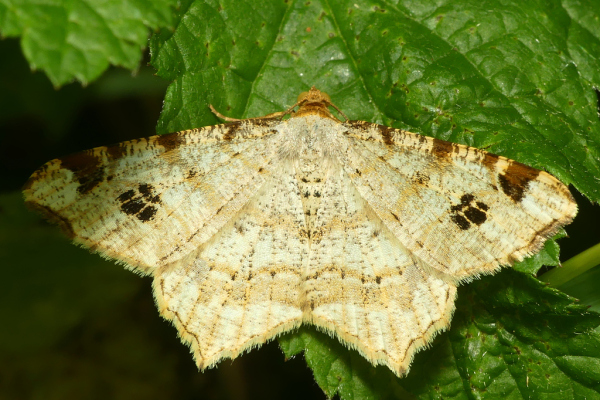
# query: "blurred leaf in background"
80, 39
513, 78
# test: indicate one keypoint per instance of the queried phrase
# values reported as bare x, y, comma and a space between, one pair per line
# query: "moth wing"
461, 210
149, 202
365, 287
243, 286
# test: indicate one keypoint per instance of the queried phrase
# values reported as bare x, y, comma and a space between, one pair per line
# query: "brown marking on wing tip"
515, 180
441, 148
116, 152
490, 160
53, 217
87, 169
85, 161
231, 131
170, 141
387, 134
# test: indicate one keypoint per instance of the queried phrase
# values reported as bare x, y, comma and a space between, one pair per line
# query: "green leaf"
512, 77
495, 75
80, 39
548, 256
579, 277
502, 80
513, 337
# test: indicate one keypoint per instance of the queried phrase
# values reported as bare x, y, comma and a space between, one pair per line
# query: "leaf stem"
573, 267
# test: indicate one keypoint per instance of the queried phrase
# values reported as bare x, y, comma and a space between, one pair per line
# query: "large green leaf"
515, 78
499, 76
494, 75
75, 39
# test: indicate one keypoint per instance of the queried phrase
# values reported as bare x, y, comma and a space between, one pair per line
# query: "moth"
256, 226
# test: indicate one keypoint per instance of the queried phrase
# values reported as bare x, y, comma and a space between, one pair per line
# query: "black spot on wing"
475, 215
126, 196
133, 206
468, 212
147, 191
140, 202
147, 213
460, 221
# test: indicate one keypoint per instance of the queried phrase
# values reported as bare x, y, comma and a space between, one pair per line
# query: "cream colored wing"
121, 200
362, 285
241, 287
459, 209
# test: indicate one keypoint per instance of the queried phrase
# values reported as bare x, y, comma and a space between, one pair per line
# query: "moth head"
314, 95
316, 102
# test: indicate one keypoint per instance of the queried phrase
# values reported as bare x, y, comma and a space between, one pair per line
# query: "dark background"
79, 327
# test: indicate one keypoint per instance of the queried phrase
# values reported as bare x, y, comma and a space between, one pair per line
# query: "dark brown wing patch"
442, 149
515, 180
87, 168
170, 141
